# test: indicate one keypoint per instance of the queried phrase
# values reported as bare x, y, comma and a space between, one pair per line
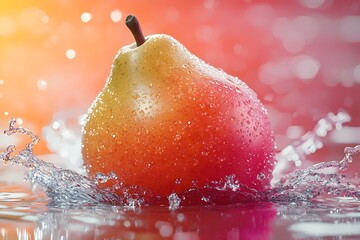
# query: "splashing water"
307, 144
310, 182
63, 186
303, 184
66, 187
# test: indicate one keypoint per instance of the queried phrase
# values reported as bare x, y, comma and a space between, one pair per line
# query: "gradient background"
302, 57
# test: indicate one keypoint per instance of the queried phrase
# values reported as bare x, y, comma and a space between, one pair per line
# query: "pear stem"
133, 24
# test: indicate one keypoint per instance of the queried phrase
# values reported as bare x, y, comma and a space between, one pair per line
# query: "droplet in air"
86, 17
42, 85
116, 15
70, 53
56, 125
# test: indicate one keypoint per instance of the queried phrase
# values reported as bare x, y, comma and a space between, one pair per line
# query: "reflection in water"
22, 218
18, 220
158, 223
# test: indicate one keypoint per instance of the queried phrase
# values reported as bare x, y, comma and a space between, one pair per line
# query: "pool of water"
25, 214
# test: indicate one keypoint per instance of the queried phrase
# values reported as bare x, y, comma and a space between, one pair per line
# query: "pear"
167, 122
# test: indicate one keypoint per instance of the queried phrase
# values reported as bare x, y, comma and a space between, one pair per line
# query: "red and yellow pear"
167, 122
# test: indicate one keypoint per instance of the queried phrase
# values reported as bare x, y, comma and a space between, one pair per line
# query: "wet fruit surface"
167, 122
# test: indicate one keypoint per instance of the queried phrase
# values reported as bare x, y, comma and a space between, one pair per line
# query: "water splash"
308, 144
304, 184
62, 137
63, 186
66, 187
174, 201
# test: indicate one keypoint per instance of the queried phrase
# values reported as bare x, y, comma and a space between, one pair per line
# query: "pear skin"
167, 122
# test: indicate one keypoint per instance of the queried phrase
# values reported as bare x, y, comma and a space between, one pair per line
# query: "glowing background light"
86, 17
42, 85
7, 26
70, 53
296, 55
116, 15
356, 73
301, 57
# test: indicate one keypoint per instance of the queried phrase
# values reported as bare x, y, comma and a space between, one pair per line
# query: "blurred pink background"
302, 57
